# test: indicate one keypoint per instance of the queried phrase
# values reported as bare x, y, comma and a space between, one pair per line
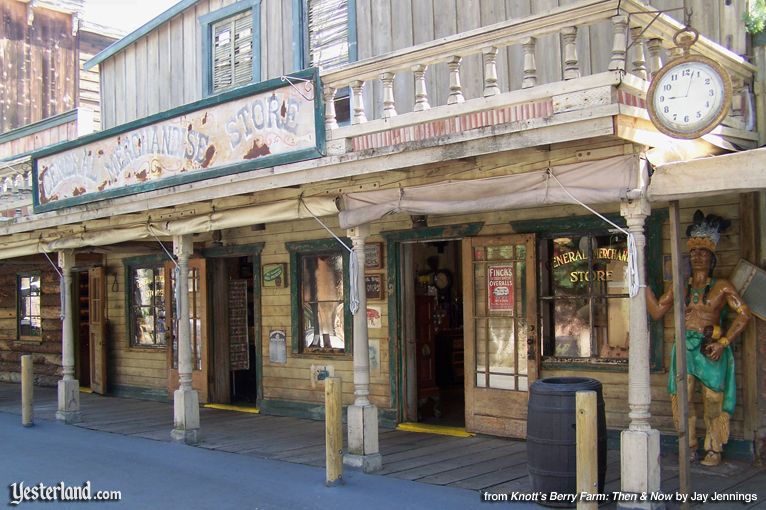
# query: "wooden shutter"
328, 33
232, 51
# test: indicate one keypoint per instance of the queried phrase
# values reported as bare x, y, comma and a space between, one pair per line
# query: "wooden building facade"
433, 144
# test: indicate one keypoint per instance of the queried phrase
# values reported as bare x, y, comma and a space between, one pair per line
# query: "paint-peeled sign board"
500, 288
257, 126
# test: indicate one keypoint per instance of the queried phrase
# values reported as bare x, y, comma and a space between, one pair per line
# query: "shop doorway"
89, 288
433, 331
234, 378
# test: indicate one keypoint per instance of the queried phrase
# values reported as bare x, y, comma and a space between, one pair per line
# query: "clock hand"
690, 85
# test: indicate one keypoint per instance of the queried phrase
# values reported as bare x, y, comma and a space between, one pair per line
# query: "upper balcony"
577, 72
623, 42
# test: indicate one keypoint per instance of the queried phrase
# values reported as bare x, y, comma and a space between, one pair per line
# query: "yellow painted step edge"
227, 407
434, 429
83, 389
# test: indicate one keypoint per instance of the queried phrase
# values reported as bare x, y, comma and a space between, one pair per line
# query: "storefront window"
29, 313
319, 288
584, 296
147, 307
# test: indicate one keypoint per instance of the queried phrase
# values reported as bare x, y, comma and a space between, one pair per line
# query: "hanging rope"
170, 256
633, 282
353, 302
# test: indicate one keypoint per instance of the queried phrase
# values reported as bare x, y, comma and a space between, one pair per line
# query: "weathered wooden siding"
164, 68
130, 370
38, 65
88, 81
46, 353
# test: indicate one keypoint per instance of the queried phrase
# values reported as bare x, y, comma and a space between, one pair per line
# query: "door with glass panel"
501, 355
197, 327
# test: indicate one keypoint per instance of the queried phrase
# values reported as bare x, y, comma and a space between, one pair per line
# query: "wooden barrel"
552, 435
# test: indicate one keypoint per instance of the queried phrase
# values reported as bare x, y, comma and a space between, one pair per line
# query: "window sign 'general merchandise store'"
500, 288
265, 124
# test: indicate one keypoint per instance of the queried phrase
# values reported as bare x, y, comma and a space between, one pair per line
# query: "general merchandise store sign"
257, 126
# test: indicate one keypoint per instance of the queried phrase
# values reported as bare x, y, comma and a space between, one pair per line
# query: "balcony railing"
627, 37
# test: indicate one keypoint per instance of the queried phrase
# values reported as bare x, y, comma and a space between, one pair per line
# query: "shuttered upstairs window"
328, 33
329, 44
232, 51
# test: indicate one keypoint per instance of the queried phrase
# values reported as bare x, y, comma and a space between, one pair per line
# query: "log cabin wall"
39, 65
163, 69
45, 351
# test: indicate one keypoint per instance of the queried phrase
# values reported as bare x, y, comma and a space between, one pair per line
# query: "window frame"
301, 47
19, 336
297, 250
130, 265
206, 23
653, 259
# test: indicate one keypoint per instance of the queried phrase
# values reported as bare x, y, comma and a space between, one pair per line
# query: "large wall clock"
689, 97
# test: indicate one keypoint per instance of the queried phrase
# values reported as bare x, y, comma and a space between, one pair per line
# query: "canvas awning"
740, 172
283, 210
593, 182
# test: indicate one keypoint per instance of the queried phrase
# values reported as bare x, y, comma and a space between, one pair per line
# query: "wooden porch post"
68, 387
185, 398
363, 450
640, 443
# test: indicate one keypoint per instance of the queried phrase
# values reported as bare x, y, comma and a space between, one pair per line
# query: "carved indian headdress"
705, 231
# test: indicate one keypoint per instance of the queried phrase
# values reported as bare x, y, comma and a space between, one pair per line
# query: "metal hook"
307, 86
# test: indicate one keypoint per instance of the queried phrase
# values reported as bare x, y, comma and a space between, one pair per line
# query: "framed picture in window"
373, 256
374, 286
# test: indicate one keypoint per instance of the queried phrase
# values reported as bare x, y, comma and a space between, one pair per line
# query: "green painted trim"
395, 364
296, 250
242, 250
566, 224
205, 23
738, 449
117, 390
654, 280
394, 238
30, 129
224, 97
315, 411
435, 233
132, 37
128, 265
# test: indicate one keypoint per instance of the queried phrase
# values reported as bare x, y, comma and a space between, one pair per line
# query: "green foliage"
755, 18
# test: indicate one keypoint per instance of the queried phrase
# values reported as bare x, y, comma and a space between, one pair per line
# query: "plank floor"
476, 463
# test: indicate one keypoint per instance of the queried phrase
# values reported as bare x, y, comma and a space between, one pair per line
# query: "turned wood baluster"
619, 47
490, 71
455, 88
530, 66
639, 58
571, 65
330, 121
357, 103
655, 56
389, 103
421, 94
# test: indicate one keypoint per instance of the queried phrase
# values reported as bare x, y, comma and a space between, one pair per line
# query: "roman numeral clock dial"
689, 97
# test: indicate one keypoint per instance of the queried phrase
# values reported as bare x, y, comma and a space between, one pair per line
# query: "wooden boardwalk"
477, 463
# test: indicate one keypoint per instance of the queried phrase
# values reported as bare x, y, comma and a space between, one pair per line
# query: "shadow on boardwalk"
477, 463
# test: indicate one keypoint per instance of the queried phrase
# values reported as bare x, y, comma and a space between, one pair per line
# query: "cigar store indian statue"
715, 316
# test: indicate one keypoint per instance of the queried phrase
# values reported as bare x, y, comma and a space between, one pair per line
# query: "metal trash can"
552, 435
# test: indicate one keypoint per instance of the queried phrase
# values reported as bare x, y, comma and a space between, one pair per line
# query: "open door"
197, 327
97, 328
500, 321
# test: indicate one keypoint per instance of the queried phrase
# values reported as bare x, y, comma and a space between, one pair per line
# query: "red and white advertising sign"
500, 288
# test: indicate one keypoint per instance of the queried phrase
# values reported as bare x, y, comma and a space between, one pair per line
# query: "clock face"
689, 98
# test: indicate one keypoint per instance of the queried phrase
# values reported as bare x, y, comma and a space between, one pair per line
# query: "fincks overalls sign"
266, 124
